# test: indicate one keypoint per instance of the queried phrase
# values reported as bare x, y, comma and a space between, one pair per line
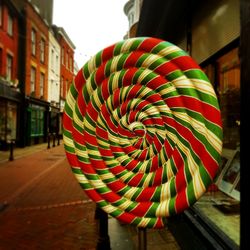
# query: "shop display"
142, 130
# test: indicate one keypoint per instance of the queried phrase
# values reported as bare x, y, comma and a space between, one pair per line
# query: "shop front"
10, 100
37, 113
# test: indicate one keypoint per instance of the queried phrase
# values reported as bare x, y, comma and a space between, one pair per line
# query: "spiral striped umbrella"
142, 130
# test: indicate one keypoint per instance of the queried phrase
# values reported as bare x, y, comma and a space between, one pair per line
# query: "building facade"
54, 70
211, 33
36, 75
10, 96
66, 66
36, 69
132, 10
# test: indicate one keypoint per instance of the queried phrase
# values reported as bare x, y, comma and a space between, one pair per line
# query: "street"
42, 206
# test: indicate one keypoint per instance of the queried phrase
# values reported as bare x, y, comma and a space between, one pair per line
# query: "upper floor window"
33, 42
9, 67
52, 59
57, 63
67, 60
42, 81
32, 80
10, 25
42, 50
62, 55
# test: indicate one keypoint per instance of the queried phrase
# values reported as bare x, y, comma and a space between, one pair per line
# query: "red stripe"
181, 202
210, 164
111, 197
185, 63
146, 194
159, 223
209, 112
100, 74
148, 44
93, 195
116, 186
134, 182
79, 80
67, 122
166, 68
72, 159
141, 209
126, 218
158, 177
156, 82
107, 53
132, 59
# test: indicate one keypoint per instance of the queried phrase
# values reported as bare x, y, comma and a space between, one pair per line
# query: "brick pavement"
47, 209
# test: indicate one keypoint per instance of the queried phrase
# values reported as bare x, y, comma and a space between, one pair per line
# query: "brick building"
10, 96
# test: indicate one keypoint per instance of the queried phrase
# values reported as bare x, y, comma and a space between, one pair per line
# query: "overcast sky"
92, 25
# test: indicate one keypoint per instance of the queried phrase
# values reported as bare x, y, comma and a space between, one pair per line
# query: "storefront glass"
37, 120
221, 203
8, 120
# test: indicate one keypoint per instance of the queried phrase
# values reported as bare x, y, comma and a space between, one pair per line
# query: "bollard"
54, 139
48, 140
11, 158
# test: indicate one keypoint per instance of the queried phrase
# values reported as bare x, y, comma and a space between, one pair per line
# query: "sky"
92, 25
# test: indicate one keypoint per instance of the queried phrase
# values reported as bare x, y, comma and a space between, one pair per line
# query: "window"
32, 81
62, 55
57, 63
62, 88
1, 61
10, 25
37, 121
1, 14
42, 50
71, 64
42, 81
9, 67
229, 96
33, 42
52, 60
8, 120
67, 59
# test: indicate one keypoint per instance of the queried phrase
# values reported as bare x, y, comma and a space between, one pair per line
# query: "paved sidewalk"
47, 209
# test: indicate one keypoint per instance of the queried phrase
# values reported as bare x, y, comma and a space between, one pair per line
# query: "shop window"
8, 120
220, 206
229, 96
33, 42
9, 67
37, 121
10, 25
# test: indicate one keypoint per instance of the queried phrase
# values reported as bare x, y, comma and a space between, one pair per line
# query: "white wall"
54, 69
